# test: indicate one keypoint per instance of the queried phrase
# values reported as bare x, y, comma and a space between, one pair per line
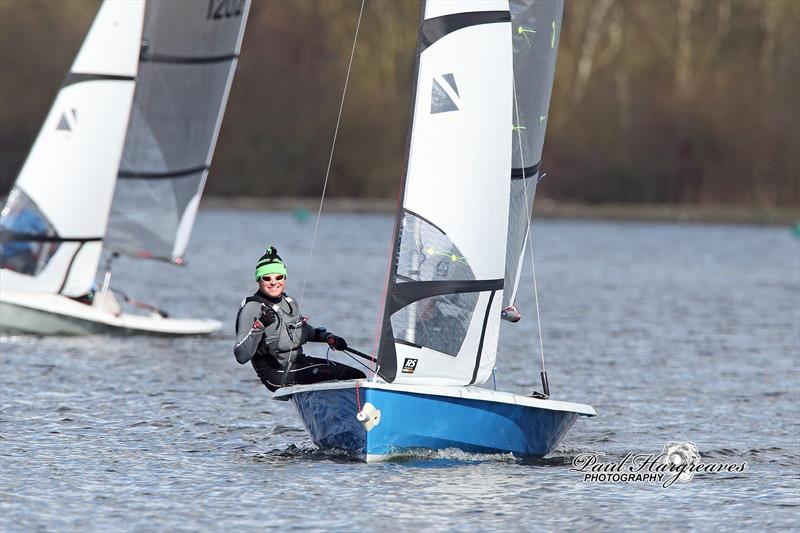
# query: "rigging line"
330, 158
528, 236
357, 361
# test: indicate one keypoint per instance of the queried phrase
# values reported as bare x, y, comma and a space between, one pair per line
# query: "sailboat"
119, 164
483, 77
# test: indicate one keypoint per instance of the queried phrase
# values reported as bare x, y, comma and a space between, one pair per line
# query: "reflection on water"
672, 332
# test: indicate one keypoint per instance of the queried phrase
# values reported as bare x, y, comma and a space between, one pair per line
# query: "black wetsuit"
270, 332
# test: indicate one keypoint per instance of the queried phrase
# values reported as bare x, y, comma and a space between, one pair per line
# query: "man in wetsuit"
270, 333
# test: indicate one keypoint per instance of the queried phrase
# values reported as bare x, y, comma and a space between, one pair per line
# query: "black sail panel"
188, 56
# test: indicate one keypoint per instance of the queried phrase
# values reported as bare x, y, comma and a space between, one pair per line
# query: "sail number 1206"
218, 9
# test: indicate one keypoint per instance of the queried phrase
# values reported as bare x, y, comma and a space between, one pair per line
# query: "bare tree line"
655, 101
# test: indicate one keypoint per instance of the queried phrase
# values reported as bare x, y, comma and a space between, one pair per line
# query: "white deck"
472, 393
50, 314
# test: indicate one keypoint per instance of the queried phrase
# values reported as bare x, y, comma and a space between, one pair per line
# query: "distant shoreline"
544, 208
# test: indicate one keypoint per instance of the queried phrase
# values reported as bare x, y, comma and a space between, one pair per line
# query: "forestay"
442, 312
188, 57
53, 222
535, 31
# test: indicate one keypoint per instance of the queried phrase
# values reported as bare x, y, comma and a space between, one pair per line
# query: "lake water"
672, 332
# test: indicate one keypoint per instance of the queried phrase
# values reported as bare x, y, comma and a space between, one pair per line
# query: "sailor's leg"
313, 370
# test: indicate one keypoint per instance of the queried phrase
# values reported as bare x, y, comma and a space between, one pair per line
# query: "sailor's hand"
337, 343
268, 316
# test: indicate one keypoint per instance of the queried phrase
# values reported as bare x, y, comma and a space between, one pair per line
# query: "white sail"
54, 220
441, 320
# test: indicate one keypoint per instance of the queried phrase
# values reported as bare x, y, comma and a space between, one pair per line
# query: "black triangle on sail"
440, 101
63, 125
449, 78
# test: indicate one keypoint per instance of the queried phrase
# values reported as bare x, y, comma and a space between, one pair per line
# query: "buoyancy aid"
284, 334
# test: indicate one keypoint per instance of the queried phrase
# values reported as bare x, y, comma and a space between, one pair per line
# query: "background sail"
535, 27
188, 57
441, 319
52, 225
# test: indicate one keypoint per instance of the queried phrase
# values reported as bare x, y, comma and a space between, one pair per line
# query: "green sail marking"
522, 31
453, 257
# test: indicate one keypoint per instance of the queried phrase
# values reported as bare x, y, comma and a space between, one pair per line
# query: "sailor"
270, 333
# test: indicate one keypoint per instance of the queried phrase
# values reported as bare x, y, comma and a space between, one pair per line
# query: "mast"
386, 352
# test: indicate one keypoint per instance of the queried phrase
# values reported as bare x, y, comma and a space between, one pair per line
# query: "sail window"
439, 322
427, 254
24, 231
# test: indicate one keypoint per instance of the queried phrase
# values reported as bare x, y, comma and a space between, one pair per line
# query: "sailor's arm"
249, 331
314, 334
322, 335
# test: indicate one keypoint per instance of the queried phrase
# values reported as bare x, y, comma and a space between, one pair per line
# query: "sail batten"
441, 318
518, 173
125, 174
162, 58
435, 28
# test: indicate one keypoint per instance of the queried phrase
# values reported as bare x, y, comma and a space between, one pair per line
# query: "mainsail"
53, 223
442, 311
188, 58
143, 101
535, 31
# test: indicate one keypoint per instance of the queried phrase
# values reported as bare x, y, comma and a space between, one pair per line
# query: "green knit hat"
270, 263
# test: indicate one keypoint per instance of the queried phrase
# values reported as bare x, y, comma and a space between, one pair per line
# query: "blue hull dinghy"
483, 77
408, 418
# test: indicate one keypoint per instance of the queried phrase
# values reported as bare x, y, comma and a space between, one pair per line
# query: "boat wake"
561, 456
306, 452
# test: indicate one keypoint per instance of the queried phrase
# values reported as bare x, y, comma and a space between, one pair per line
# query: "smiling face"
271, 286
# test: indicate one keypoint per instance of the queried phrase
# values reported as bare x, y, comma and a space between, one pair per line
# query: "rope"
528, 230
358, 398
330, 158
357, 361
139, 304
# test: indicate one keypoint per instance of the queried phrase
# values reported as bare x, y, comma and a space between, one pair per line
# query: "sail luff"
387, 360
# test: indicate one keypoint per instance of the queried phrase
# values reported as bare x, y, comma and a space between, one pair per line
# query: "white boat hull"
54, 314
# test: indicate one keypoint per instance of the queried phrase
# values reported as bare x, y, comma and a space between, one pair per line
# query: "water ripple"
672, 332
